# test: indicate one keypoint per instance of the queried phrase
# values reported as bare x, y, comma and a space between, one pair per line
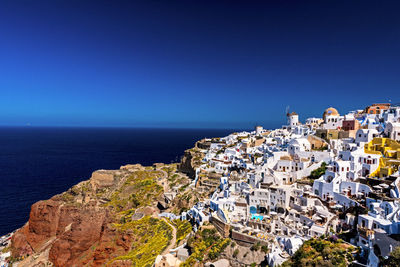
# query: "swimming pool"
259, 217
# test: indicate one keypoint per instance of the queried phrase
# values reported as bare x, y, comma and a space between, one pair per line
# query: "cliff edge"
110, 219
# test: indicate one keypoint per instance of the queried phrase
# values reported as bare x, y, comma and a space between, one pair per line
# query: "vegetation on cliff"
151, 237
185, 199
183, 228
207, 244
140, 189
321, 252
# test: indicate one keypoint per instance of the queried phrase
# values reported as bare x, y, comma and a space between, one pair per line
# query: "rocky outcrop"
65, 227
132, 167
80, 226
203, 144
111, 244
101, 179
20, 245
245, 256
190, 161
78, 230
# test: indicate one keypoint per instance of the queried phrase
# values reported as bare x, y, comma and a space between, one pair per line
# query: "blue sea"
37, 163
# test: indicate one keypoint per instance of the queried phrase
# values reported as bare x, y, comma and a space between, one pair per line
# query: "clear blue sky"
193, 63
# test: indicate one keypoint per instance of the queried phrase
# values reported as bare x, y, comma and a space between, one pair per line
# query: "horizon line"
123, 127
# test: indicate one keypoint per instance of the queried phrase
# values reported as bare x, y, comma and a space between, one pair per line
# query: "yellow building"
390, 151
329, 134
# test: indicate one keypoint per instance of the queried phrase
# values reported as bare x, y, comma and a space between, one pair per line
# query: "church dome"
330, 112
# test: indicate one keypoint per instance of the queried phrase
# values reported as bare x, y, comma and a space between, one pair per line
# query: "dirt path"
173, 240
165, 174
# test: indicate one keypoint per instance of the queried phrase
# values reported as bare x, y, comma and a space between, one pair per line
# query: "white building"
364, 136
298, 145
293, 119
392, 130
392, 114
332, 119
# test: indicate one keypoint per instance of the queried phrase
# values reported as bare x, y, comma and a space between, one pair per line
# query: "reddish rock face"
43, 222
78, 231
68, 230
20, 244
121, 263
111, 245
76, 235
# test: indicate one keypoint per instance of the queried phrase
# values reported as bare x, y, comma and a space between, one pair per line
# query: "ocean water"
37, 163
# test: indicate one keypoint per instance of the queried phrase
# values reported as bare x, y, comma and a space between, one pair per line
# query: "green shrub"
320, 252
143, 189
315, 174
152, 236
393, 259
256, 246
206, 244
183, 229
264, 249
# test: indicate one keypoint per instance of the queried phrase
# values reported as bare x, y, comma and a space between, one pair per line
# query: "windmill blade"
287, 109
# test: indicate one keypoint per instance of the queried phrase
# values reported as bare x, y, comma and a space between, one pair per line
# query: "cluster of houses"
330, 175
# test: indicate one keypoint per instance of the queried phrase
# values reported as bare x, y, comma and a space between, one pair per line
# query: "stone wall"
246, 240
222, 227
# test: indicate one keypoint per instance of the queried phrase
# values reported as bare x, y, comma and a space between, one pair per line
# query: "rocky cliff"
191, 160
92, 224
